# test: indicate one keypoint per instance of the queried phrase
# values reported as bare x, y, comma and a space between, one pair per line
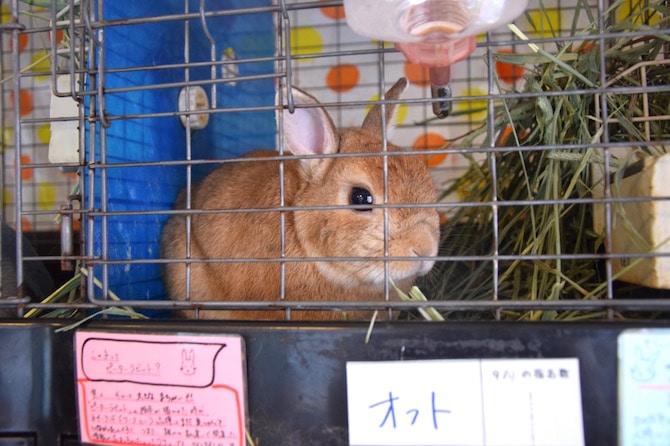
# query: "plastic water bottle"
432, 33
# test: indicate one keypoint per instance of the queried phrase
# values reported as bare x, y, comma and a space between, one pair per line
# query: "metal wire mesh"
124, 68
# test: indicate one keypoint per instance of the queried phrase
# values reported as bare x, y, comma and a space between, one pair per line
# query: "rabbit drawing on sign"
187, 362
645, 365
340, 219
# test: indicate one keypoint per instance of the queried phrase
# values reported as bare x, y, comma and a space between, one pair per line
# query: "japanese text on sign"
160, 389
468, 402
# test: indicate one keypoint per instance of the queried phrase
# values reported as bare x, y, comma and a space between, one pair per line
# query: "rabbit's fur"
331, 233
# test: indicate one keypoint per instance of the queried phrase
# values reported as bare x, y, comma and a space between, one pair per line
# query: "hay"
546, 144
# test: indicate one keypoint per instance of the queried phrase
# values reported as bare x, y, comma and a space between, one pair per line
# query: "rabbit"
351, 231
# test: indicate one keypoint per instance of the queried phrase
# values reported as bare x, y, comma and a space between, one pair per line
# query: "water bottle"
432, 33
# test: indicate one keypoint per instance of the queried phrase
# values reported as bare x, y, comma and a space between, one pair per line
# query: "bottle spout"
440, 89
438, 57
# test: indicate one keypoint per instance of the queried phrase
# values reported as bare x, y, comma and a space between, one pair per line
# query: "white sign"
644, 387
492, 402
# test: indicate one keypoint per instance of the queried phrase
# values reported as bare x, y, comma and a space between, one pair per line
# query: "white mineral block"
641, 226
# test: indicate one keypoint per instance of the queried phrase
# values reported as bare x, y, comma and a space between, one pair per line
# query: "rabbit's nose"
424, 265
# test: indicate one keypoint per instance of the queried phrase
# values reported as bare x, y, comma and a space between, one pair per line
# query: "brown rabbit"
350, 232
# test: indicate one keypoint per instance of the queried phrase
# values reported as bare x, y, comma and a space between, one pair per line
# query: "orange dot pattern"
25, 102
43, 188
507, 72
342, 78
59, 36
26, 174
333, 12
332, 77
417, 74
23, 42
431, 141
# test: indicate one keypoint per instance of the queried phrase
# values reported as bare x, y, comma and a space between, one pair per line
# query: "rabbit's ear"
373, 120
309, 131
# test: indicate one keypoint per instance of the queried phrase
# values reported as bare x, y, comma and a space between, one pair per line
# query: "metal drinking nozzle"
440, 88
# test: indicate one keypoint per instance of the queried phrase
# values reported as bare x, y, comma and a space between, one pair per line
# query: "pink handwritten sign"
157, 389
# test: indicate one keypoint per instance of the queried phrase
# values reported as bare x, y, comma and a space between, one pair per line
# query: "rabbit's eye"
361, 196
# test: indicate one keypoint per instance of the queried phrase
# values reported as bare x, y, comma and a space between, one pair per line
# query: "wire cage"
130, 103
126, 124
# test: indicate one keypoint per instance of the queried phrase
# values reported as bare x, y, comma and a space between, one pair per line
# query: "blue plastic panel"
151, 139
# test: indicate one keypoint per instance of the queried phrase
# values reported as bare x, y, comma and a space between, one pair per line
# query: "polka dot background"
330, 61
43, 188
326, 67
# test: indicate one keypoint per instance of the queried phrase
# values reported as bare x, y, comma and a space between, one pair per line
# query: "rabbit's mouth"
403, 271
411, 269
424, 266
373, 274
